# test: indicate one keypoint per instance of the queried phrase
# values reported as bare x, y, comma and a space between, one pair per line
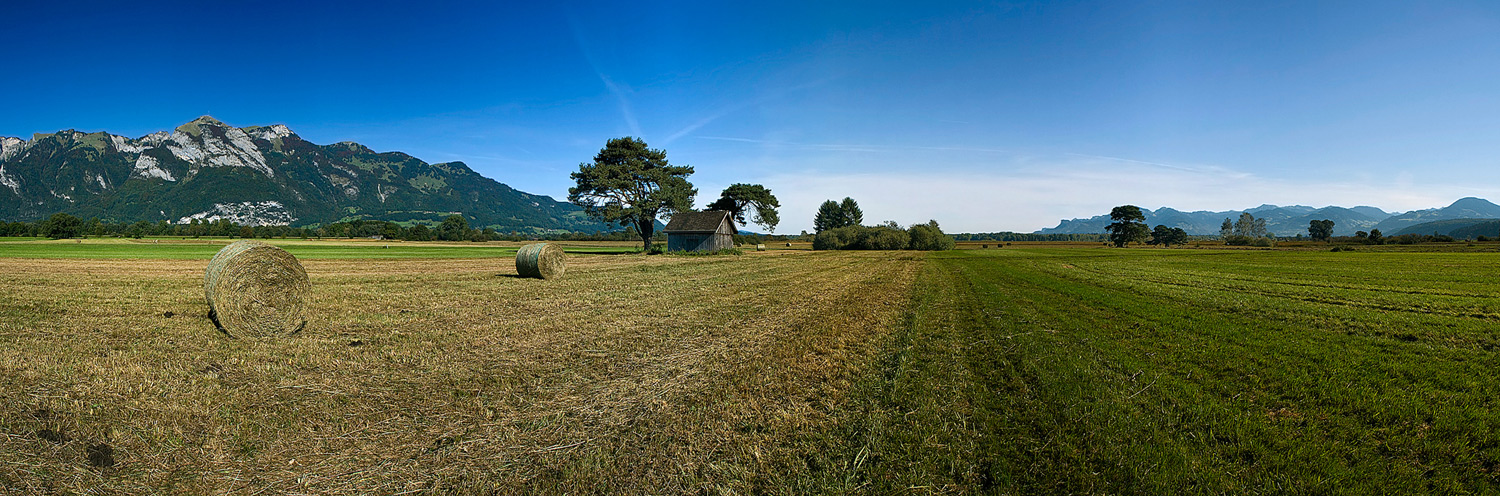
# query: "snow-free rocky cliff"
257, 175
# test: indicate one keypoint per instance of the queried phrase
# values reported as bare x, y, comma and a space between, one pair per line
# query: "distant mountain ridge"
1293, 220
256, 175
1464, 208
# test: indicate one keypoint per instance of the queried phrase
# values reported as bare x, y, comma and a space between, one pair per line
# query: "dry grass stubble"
635, 374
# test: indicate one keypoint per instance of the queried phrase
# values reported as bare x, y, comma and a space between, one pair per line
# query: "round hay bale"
256, 290
760, 247
540, 260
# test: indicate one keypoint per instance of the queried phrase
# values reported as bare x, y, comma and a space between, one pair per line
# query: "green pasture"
179, 248
1107, 371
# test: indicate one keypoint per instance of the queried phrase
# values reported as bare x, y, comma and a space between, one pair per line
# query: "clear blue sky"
984, 116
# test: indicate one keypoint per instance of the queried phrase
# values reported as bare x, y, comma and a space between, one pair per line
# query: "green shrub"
882, 238
1241, 240
840, 238
930, 237
888, 236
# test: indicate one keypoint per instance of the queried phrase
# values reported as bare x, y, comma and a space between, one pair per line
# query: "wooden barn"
700, 231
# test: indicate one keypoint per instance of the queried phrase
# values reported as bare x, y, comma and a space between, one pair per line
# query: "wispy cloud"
844, 147
726, 111
702, 122
1133, 161
619, 91
622, 97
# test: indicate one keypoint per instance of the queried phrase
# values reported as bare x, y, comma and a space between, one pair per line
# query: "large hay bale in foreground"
256, 290
540, 260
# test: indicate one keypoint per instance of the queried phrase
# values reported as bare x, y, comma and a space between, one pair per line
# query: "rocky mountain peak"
202, 125
208, 120
208, 170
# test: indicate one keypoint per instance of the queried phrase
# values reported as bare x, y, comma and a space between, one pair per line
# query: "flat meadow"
432, 368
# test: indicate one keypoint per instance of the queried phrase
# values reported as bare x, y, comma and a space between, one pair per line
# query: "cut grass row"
1143, 372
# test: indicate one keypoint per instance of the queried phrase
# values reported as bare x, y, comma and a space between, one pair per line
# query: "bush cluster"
1241, 240
888, 236
1411, 239
1375, 238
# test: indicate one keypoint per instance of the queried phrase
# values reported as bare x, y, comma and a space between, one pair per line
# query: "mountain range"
1293, 220
257, 175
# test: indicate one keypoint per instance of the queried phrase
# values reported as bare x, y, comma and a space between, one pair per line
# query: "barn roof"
698, 221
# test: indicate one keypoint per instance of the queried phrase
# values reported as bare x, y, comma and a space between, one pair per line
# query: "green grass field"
1035, 370
1179, 371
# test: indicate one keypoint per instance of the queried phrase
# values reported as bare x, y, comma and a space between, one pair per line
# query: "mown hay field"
630, 374
1028, 369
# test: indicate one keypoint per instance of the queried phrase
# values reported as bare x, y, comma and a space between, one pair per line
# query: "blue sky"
984, 116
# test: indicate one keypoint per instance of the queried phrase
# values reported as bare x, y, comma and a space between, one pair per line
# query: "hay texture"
256, 290
540, 260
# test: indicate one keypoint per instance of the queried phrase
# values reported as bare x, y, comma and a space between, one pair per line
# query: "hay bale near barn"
541, 261
256, 290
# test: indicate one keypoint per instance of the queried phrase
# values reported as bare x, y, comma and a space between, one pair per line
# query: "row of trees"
62, 225
1015, 236
1245, 231
1129, 226
452, 228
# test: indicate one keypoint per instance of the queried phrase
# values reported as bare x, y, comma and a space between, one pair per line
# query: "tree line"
453, 228
1129, 226
1015, 236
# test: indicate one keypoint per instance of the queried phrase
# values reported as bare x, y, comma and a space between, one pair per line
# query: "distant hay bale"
256, 290
540, 260
760, 247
